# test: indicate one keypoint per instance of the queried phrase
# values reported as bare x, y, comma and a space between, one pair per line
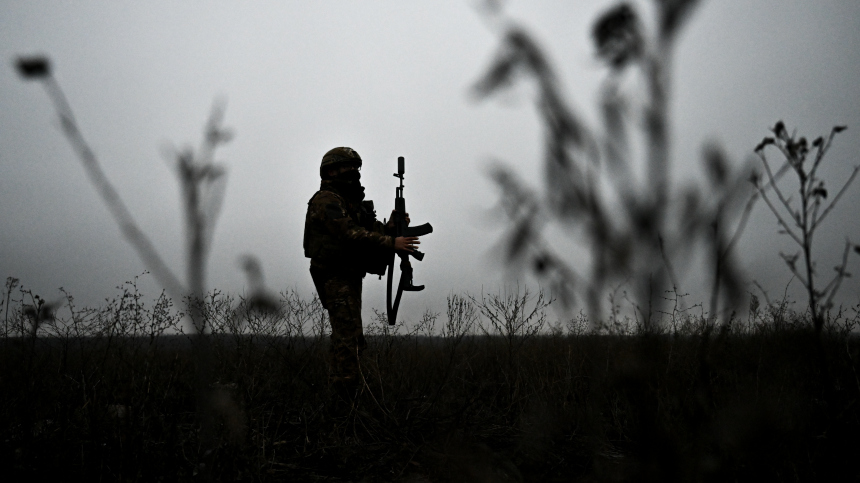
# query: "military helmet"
339, 156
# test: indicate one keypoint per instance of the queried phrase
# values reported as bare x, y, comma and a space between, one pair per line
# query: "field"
105, 395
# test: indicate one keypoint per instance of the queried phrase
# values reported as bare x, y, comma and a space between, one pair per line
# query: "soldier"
345, 241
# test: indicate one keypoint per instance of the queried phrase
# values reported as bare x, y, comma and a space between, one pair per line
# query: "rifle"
401, 228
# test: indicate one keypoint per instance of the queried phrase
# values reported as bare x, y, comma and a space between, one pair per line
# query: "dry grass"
107, 396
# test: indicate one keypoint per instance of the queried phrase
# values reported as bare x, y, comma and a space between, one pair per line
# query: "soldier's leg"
343, 297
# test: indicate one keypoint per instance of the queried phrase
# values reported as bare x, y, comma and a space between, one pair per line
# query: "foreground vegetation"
487, 391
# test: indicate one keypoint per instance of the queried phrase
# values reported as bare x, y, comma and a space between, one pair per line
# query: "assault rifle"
401, 228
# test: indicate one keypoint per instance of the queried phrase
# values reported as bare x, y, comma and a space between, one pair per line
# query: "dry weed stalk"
805, 219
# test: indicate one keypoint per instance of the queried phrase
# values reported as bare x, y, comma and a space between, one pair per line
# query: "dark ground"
770, 404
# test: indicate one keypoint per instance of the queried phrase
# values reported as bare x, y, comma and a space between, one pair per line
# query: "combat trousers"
340, 294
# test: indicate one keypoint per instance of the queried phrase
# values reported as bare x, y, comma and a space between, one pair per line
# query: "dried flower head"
34, 67
616, 36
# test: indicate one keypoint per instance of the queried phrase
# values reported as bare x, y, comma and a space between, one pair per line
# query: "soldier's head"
340, 162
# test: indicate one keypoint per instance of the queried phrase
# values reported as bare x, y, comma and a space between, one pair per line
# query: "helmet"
339, 156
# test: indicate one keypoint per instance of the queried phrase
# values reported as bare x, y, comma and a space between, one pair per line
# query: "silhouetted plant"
11, 285
636, 229
806, 218
425, 326
514, 314
461, 316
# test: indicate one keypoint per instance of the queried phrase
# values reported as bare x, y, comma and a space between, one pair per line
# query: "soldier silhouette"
345, 241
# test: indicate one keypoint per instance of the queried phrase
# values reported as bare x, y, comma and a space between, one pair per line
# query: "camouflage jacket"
345, 236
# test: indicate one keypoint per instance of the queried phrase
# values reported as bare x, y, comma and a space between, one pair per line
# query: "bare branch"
779, 218
835, 198
779, 194
841, 274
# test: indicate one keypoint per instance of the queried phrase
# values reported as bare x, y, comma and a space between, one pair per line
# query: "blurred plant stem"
202, 185
637, 224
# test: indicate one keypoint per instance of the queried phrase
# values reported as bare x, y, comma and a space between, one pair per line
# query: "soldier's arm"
341, 225
372, 223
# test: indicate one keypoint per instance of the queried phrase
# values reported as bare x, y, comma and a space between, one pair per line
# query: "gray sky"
387, 79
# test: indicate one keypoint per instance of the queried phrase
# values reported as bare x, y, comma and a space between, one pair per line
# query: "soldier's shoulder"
325, 204
325, 197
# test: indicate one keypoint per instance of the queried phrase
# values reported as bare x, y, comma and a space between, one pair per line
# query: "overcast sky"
388, 79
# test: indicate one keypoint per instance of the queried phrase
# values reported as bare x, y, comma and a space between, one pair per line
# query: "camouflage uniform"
344, 241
